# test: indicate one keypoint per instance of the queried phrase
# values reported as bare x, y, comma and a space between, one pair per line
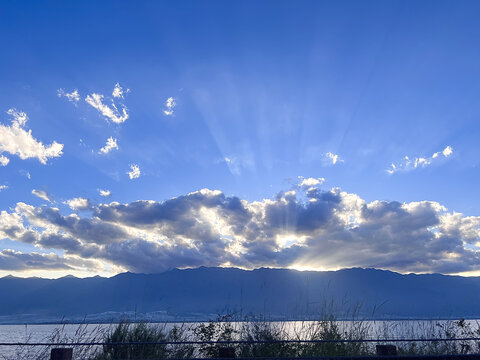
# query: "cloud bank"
305, 227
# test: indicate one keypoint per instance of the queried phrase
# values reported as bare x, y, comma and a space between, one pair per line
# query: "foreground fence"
340, 349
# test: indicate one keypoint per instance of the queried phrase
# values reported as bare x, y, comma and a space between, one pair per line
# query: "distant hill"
200, 294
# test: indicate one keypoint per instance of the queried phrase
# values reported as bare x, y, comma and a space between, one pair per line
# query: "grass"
225, 328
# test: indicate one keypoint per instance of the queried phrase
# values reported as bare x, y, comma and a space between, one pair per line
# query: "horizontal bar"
226, 342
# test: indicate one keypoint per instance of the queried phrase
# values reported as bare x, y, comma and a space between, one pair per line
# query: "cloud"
18, 261
408, 164
118, 91
78, 203
15, 140
105, 193
4, 160
332, 158
111, 111
309, 182
170, 104
109, 146
305, 227
73, 97
3, 187
41, 194
135, 172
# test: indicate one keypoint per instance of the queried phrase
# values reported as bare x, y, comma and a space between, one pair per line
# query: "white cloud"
170, 104
14, 139
332, 158
42, 195
135, 172
78, 203
73, 97
3, 187
118, 91
111, 112
104, 192
19, 117
309, 182
4, 160
408, 164
109, 146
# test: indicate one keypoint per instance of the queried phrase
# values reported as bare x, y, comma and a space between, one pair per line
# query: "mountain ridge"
201, 293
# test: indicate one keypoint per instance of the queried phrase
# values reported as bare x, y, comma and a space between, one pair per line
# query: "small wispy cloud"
15, 140
3, 187
169, 106
112, 111
42, 195
110, 145
134, 172
4, 160
73, 97
332, 158
408, 164
118, 91
238, 163
104, 193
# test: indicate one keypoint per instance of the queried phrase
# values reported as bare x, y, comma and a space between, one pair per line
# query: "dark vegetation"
268, 333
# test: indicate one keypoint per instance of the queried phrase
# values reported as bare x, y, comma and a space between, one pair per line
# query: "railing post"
226, 352
61, 354
386, 350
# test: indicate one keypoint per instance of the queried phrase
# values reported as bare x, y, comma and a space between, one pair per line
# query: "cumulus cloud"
73, 97
134, 172
42, 195
408, 164
104, 193
109, 146
15, 140
112, 111
4, 160
78, 203
309, 182
170, 104
305, 227
3, 187
332, 158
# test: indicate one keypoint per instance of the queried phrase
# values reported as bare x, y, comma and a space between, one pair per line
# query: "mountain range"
204, 293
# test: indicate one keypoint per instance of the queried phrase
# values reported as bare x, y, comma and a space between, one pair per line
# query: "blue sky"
263, 95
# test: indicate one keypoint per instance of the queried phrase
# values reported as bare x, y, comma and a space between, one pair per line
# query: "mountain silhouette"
202, 293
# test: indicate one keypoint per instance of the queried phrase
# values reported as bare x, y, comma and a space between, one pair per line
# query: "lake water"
293, 329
